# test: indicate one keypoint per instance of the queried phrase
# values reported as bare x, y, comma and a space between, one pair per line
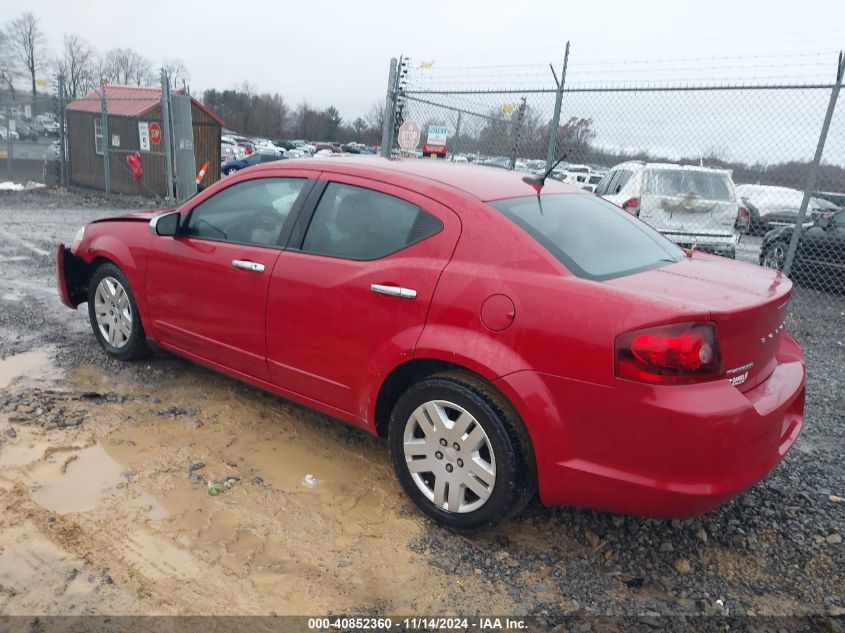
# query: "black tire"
135, 345
515, 471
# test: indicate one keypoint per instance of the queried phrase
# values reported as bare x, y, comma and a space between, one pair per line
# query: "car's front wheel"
775, 255
113, 313
460, 453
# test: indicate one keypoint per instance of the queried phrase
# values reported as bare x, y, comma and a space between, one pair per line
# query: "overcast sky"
337, 53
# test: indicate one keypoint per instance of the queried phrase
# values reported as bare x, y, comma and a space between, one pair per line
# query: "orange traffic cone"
201, 175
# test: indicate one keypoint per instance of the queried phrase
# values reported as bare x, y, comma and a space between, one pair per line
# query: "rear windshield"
591, 237
678, 182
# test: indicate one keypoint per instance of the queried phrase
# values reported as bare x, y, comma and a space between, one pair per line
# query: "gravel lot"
353, 543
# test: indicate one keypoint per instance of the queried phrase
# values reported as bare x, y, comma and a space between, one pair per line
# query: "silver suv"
688, 204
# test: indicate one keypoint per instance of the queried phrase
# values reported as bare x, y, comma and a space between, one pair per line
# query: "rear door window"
683, 183
591, 237
624, 177
357, 223
601, 188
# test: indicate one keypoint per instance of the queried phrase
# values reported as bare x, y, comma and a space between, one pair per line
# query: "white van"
688, 204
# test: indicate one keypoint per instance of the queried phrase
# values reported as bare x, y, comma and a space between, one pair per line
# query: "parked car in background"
771, 207
326, 146
688, 204
594, 361
820, 254
265, 146
231, 166
26, 132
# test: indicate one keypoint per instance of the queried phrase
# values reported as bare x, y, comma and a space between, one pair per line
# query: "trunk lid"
689, 202
748, 304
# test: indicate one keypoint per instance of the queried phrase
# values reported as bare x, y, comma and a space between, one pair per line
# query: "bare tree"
8, 72
78, 65
177, 71
27, 44
125, 66
375, 116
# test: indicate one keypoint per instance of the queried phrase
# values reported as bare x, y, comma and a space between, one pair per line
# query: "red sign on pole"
155, 133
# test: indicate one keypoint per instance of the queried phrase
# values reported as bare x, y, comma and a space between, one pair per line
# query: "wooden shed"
134, 123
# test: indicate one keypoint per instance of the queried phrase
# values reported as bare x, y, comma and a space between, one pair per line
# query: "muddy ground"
105, 505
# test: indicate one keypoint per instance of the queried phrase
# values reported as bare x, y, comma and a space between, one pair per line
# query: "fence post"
62, 153
550, 154
389, 110
168, 138
9, 142
814, 167
104, 118
520, 117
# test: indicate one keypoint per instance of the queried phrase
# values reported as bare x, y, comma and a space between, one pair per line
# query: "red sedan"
504, 341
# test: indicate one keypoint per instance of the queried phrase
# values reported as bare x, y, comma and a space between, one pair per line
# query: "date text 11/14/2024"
420, 623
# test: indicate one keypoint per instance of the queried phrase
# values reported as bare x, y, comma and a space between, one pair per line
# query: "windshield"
591, 237
679, 182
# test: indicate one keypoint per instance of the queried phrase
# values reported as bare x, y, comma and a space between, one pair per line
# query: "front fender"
131, 259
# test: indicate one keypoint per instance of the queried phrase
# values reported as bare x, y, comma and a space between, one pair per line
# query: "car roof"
633, 164
484, 183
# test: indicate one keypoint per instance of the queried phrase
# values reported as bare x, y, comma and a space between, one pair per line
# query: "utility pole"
457, 133
520, 117
389, 110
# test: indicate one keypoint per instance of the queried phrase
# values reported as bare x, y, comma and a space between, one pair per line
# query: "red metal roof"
129, 101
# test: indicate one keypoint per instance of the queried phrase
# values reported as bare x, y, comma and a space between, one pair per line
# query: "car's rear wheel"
113, 313
460, 453
775, 255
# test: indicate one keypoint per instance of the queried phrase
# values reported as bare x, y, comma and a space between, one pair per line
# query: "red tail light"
680, 353
632, 206
744, 216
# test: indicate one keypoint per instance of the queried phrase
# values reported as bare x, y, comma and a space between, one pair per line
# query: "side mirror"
824, 222
166, 224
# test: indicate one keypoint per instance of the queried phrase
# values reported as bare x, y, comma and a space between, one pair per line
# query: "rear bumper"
71, 278
661, 451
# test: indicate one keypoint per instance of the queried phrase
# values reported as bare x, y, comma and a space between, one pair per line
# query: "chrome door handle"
394, 291
246, 265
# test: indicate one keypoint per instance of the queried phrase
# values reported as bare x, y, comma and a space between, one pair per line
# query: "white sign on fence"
437, 134
144, 136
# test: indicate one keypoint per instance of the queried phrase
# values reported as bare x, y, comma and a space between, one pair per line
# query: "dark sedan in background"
231, 166
819, 257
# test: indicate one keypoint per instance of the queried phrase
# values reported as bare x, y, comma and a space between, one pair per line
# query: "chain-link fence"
29, 138
116, 139
730, 168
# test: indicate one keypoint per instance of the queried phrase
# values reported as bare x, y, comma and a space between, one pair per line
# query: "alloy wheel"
775, 257
449, 456
113, 312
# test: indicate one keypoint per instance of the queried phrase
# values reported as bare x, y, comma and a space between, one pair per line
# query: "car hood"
137, 216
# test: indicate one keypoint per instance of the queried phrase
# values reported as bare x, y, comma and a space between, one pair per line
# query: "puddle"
75, 481
34, 366
126, 477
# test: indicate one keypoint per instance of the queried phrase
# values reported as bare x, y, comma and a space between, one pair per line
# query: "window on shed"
98, 136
